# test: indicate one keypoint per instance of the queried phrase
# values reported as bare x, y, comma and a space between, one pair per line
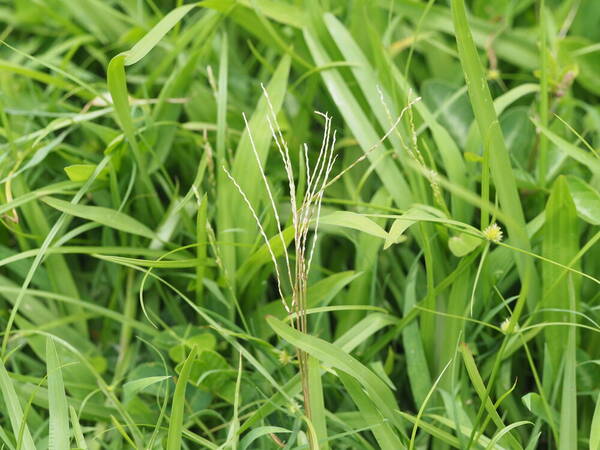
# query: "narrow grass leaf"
358, 123
57, 400
560, 244
571, 150
14, 410
176, 422
491, 133
502, 432
317, 405
259, 432
595, 427
480, 388
568, 410
245, 163
334, 356
104, 216
77, 432
419, 376
131, 388
154, 36
370, 415
355, 221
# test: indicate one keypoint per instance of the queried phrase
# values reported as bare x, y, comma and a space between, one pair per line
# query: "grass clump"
191, 257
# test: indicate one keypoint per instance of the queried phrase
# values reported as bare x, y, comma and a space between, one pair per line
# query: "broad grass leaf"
534, 403
453, 111
491, 134
560, 244
132, 388
571, 150
317, 403
57, 400
463, 244
355, 221
396, 233
13, 409
334, 356
586, 199
81, 172
419, 375
104, 216
370, 415
519, 133
595, 427
259, 432
176, 423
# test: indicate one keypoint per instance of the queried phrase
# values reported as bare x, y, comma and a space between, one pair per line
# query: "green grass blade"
57, 400
568, 410
77, 432
334, 356
500, 433
494, 145
317, 406
543, 106
201, 251
578, 154
383, 432
595, 427
14, 411
368, 81
479, 387
104, 216
154, 36
560, 244
176, 422
416, 361
258, 432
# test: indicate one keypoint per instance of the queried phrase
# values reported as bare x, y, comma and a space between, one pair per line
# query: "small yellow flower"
493, 74
284, 357
505, 324
493, 233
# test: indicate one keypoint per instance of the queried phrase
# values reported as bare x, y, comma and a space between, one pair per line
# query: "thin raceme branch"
270, 194
376, 145
264, 235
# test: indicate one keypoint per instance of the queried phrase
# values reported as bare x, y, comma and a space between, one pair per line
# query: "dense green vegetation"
177, 270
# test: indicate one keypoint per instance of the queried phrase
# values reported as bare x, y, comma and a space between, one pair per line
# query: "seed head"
493, 233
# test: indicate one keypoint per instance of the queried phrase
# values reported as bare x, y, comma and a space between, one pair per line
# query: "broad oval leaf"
586, 199
463, 244
81, 172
